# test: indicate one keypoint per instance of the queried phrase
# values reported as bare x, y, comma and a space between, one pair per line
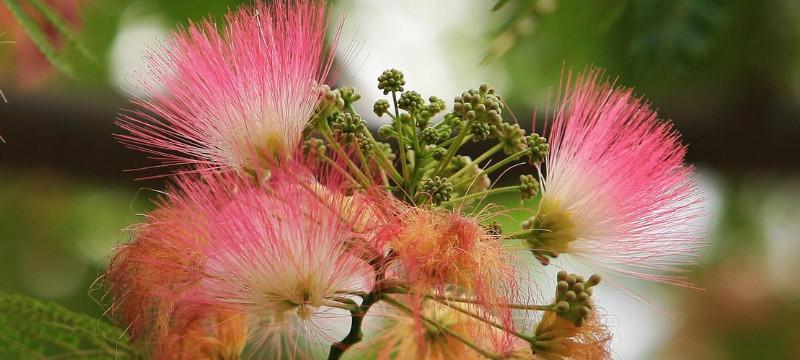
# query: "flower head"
148, 279
443, 253
236, 97
446, 332
616, 190
558, 338
279, 255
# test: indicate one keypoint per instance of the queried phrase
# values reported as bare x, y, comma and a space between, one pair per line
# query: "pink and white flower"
616, 190
239, 96
280, 255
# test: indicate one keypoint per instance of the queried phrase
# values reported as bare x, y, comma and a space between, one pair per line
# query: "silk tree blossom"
616, 190
446, 254
279, 257
440, 330
147, 280
558, 338
238, 96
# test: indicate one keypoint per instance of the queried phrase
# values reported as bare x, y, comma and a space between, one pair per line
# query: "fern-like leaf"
33, 329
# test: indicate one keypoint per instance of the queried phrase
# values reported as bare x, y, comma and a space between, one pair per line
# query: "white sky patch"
438, 45
139, 31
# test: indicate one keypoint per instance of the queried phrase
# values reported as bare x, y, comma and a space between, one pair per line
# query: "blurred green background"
726, 72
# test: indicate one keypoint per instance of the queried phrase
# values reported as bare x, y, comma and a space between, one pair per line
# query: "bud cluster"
481, 105
573, 296
438, 188
391, 80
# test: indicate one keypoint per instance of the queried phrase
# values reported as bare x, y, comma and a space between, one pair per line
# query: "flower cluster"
290, 230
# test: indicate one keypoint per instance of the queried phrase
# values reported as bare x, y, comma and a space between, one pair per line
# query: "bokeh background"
727, 72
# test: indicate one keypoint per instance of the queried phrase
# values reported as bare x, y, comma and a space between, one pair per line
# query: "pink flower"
237, 96
442, 253
616, 191
280, 255
148, 278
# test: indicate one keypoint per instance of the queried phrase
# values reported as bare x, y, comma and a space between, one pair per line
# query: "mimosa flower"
437, 247
440, 341
616, 191
279, 255
147, 279
237, 96
203, 335
559, 339
440, 252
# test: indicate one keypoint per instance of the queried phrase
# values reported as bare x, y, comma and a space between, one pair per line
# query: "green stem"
61, 26
38, 37
511, 158
454, 146
548, 307
384, 161
400, 143
494, 191
327, 134
362, 159
478, 160
453, 139
338, 167
338, 305
522, 336
519, 234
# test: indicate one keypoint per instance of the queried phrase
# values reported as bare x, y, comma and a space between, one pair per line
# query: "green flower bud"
405, 118
561, 307
391, 81
439, 153
573, 297
496, 228
380, 107
330, 98
436, 105
430, 135
480, 131
482, 105
348, 95
529, 186
347, 126
453, 120
364, 143
511, 136
386, 132
438, 188
386, 149
539, 149
411, 101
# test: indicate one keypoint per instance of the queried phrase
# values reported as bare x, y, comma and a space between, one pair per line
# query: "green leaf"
62, 27
499, 5
33, 329
38, 37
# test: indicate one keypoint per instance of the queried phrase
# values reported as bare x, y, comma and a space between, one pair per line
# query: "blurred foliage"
30, 329
658, 45
744, 312
55, 235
